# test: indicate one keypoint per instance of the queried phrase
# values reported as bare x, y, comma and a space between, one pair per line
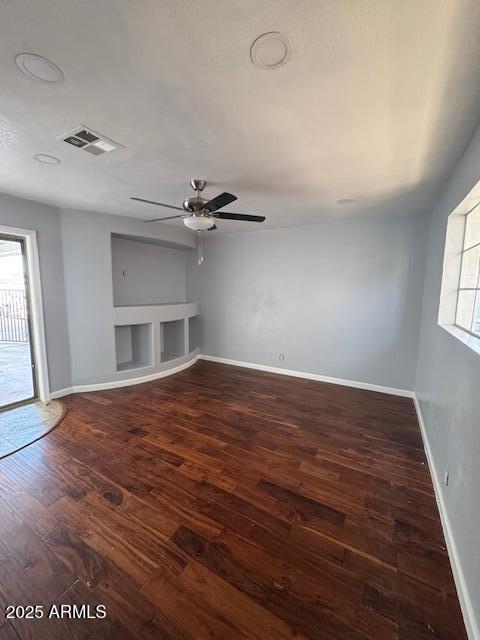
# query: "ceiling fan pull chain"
199, 248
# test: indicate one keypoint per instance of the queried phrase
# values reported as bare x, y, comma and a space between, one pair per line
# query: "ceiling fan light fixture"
199, 223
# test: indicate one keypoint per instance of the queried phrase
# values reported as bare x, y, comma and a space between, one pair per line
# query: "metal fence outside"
13, 315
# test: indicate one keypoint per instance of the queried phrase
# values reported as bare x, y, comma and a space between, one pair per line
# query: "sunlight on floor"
15, 366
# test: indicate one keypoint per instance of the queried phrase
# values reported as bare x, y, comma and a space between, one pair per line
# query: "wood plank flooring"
228, 503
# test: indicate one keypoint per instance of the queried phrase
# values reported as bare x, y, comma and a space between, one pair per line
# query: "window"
467, 316
459, 308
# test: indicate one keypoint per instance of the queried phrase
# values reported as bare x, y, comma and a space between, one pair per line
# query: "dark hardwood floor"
228, 503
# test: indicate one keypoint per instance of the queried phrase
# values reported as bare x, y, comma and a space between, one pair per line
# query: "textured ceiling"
377, 103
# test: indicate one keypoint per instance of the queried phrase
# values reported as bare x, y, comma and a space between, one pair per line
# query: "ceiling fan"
200, 214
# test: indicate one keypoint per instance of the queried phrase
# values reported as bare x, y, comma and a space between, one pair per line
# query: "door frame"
34, 285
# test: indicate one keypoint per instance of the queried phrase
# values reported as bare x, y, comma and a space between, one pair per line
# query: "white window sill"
471, 341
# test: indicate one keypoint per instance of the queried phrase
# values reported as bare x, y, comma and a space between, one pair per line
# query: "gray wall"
88, 282
153, 274
448, 388
340, 299
26, 214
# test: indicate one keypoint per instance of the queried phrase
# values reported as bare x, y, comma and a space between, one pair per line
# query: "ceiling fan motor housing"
195, 203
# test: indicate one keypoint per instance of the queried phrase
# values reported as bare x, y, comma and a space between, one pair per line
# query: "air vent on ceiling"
88, 140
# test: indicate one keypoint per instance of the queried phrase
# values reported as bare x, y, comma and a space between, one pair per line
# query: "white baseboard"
237, 363
54, 395
102, 386
468, 611
312, 376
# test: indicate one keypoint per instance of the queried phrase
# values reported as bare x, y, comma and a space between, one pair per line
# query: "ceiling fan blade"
160, 204
168, 218
220, 201
238, 216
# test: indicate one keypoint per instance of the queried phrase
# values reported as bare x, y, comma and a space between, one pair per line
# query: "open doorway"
18, 382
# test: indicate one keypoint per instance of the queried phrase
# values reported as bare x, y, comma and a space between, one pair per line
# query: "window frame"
460, 288
454, 248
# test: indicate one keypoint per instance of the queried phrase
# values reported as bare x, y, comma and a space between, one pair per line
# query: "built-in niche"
146, 271
172, 340
134, 346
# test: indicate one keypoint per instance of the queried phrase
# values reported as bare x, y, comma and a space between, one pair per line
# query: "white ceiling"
377, 103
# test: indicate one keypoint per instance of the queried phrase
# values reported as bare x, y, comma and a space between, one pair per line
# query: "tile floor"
22, 425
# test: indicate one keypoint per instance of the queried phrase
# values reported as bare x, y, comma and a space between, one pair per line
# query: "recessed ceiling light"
46, 159
40, 68
346, 201
271, 50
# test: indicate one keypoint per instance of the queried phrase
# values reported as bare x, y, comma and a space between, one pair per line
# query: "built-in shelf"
163, 312
193, 333
172, 340
132, 365
134, 346
155, 336
150, 304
